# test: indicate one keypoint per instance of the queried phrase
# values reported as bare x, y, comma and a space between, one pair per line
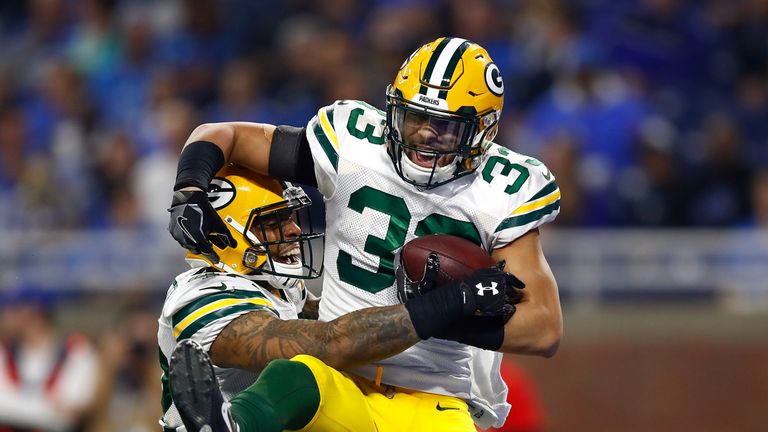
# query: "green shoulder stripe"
165, 399
208, 299
546, 190
527, 218
220, 313
369, 106
326, 144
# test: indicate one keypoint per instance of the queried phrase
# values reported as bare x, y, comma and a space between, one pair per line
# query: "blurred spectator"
12, 136
338, 57
719, 194
561, 156
94, 46
128, 398
666, 41
155, 173
41, 38
198, 49
124, 209
348, 83
527, 413
393, 29
298, 48
342, 14
760, 200
655, 193
12, 163
122, 91
59, 121
745, 253
163, 88
240, 94
482, 24
114, 170
47, 380
548, 43
751, 112
602, 111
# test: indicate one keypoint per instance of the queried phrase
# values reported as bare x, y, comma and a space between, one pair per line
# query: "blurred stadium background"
653, 115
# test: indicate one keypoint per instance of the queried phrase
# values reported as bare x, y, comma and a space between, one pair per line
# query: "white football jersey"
371, 213
199, 304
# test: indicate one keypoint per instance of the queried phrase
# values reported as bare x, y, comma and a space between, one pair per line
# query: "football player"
241, 309
428, 164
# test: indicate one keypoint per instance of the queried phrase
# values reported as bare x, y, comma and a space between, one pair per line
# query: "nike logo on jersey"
548, 175
221, 287
440, 408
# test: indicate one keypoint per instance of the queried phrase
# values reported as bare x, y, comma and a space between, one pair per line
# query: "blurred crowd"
649, 112
60, 379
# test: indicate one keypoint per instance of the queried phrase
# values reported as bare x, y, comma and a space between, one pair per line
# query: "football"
459, 257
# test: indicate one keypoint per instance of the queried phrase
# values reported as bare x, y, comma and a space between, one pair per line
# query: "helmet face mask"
272, 224
442, 110
427, 147
278, 244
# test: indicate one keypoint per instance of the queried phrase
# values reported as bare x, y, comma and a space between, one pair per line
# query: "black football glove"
479, 331
195, 224
486, 332
472, 311
490, 292
408, 289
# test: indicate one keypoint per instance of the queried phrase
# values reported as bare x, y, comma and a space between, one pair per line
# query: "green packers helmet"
260, 213
442, 110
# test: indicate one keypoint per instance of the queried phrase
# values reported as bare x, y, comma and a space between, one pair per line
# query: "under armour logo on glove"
481, 289
490, 292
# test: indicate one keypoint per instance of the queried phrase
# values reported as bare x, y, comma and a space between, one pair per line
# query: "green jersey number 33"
384, 249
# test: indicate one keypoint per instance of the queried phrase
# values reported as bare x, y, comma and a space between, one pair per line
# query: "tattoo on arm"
311, 310
367, 335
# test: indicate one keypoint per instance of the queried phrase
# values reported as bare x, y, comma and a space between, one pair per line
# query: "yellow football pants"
350, 403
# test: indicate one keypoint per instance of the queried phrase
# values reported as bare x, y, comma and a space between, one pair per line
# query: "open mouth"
423, 159
289, 255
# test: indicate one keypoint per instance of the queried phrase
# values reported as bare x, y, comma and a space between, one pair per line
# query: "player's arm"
243, 143
537, 325
279, 151
254, 339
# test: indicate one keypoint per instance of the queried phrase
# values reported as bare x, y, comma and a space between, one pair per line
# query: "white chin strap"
284, 282
419, 174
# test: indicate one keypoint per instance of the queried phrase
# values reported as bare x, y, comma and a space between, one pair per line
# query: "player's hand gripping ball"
434, 260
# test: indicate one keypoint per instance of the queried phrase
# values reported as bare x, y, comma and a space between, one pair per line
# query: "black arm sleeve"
290, 157
198, 163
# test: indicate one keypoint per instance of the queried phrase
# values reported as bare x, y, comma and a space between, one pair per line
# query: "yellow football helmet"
442, 110
260, 213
